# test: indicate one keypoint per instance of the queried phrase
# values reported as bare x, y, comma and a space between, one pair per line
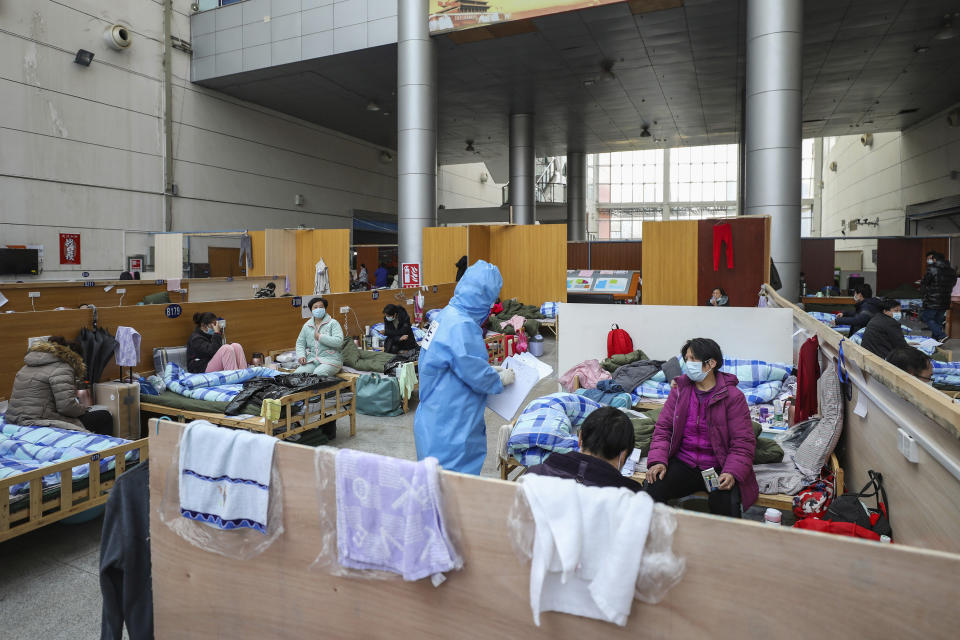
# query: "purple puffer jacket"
730, 431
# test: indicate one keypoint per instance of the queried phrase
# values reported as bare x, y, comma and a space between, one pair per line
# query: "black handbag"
850, 508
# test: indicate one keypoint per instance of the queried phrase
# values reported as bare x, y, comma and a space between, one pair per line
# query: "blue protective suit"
456, 376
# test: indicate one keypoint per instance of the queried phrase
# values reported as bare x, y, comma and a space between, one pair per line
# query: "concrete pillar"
576, 196
773, 129
522, 178
416, 129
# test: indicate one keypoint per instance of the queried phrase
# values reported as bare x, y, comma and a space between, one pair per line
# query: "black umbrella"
97, 347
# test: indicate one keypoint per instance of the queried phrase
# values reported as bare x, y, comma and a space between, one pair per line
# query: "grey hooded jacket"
45, 389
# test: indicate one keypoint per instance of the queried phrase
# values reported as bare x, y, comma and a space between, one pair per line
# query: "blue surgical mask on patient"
897, 315
319, 312
390, 318
694, 370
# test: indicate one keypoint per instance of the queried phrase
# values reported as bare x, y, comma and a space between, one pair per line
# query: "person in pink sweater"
705, 424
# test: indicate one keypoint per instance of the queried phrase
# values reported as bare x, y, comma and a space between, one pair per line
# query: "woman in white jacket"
320, 342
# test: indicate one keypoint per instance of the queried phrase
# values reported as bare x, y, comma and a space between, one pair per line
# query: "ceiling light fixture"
607, 67
588, 82
373, 106
947, 31
469, 147
645, 133
921, 48
84, 57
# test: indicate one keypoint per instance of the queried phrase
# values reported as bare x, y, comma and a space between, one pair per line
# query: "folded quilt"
946, 373
225, 476
550, 309
218, 386
27, 448
826, 318
390, 516
549, 424
760, 381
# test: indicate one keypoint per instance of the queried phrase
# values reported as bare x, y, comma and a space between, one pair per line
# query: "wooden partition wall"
625, 255
478, 245
670, 262
532, 260
678, 263
333, 245
817, 262
258, 244
258, 325
924, 496
280, 254
442, 247
903, 591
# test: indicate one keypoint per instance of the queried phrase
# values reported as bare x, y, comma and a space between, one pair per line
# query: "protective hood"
477, 290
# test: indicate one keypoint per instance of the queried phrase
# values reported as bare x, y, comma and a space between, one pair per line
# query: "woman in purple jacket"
705, 424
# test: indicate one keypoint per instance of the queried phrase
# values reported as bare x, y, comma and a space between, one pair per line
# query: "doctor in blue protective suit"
456, 377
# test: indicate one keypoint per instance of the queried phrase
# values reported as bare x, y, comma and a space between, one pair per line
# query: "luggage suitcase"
122, 400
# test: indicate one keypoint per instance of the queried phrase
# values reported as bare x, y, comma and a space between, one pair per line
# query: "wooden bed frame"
68, 502
286, 426
730, 563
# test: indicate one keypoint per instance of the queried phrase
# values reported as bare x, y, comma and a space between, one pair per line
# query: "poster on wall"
456, 15
69, 248
135, 265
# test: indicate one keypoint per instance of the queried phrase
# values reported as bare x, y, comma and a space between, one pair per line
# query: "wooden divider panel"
751, 261
442, 247
577, 255
73, 294
478, 243
333, 245
16, 328
670, 262
257, 243
729, 565
369, 256
280, 254
532, 260
816, 262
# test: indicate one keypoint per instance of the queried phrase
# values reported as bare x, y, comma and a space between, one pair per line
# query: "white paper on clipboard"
507, 404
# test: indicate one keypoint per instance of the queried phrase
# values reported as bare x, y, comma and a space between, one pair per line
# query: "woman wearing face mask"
397, 329
606, 441
718, 298
320, 342
206, 351
884, 333
704, 425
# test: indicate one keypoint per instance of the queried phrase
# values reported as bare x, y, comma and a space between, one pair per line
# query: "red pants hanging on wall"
722, 233
808, 372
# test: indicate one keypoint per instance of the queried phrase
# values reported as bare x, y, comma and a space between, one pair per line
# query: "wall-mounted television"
19, 262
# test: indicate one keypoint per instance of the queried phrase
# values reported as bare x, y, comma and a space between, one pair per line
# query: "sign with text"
456, 15
69, 248
173, 311
134, 264
410, 274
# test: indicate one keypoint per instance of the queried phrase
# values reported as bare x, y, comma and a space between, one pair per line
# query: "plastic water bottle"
772, 517
777, 412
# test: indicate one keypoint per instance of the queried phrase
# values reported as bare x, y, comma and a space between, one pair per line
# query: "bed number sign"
173, 311
296, 301
428, 337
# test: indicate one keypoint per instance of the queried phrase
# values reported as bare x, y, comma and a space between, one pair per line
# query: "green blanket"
514, 308
617, 361
363, 360
767, 450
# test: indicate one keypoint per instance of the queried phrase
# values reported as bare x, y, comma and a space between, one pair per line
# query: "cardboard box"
123, 402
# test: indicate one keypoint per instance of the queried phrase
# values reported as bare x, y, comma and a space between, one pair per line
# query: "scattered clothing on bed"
613, 363
390, 516
27, 448
516, 323
767, 450
128, 347
125, 572
363, 359
550, 309
588, 374
631, 376
225, 476
808, 372
619, 400
587, 549
513, 308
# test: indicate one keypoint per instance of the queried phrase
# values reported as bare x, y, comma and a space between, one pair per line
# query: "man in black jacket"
606, 441
865, 307
397, 329
884, 333
936, 286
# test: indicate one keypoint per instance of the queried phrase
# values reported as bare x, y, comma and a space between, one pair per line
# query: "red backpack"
618, 342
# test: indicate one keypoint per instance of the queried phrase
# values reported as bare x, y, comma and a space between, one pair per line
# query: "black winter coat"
394, 332
937, 284
200, 350
883, 335
585, 469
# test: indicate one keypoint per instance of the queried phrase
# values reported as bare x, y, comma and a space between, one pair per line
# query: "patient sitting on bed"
206, 351
606, 441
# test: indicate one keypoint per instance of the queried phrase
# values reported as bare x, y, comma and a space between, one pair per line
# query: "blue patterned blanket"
418, 333
25, 449
760, 381
946, 372
550, 309
218, 386
547, 424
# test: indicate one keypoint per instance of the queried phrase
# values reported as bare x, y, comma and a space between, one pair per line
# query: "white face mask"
930, 261
319, 312
694, 370
897, 315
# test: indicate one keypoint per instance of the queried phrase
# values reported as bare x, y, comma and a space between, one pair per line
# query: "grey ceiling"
681, 71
